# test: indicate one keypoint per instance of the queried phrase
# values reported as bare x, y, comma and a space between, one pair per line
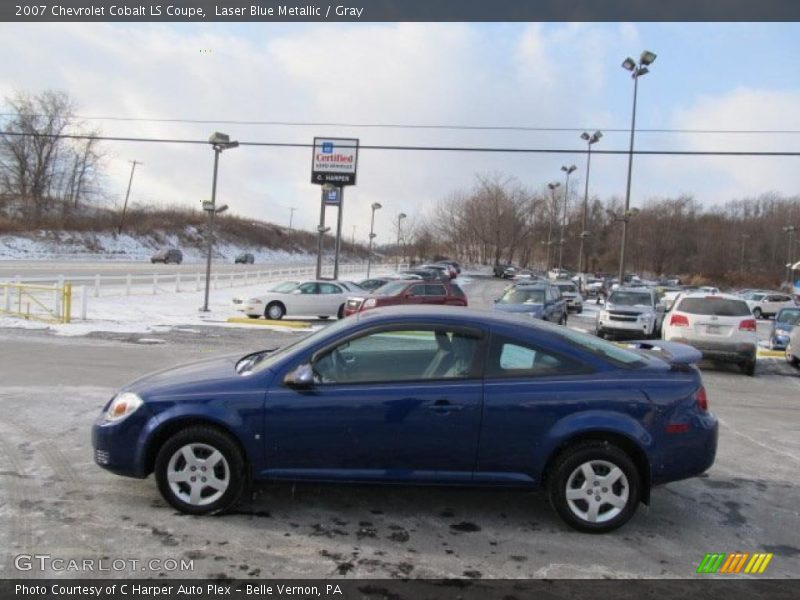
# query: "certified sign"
334, 161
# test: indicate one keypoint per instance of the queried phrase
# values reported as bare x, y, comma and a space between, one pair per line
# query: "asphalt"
54, 500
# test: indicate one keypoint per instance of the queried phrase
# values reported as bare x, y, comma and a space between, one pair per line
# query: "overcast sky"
706, 76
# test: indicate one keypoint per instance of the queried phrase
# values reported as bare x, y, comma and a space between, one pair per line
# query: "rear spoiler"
673, 353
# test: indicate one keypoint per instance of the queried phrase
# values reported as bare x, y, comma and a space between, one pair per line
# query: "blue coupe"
422, 395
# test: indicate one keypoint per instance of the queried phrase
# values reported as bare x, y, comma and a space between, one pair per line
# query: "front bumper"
116, 446
722, 351
779, 341
635, 328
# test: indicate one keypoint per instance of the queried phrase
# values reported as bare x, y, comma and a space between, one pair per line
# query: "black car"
245, 258
167, 255
427, 274
500, 268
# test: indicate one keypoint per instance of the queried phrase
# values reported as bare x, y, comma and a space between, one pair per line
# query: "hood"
637, 309
186, 378
519, 308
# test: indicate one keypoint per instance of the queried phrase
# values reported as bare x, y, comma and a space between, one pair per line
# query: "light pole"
590, 140
219, 142
624, 217
568, 170
400, 217
553, 208
375, 206
291, 216
128, 193
744, 237
637, 70
789, 229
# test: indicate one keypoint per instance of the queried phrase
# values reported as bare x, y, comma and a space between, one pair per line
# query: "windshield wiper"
246, 363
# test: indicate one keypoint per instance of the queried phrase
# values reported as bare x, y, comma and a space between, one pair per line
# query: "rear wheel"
274, 311
757, 313
200, 470
323, 317
594, 486
340, 313
748, 368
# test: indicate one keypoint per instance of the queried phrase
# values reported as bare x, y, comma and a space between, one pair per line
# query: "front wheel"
274, 311
594, 487
790, 357
757, 313
200, 470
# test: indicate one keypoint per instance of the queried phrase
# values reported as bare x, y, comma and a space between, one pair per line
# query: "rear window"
718, 307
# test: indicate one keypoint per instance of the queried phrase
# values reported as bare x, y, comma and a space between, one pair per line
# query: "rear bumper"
722, 351
689, 454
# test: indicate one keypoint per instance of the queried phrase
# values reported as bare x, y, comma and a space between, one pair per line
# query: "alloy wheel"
198, 474
597, 491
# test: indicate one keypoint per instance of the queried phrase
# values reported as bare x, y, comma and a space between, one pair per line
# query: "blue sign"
331, 197
327, 148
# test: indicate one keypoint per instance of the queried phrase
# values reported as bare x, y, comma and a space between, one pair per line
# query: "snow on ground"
76, 245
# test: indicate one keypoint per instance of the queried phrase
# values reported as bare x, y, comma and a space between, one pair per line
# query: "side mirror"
297, 291
300, 377
496, 300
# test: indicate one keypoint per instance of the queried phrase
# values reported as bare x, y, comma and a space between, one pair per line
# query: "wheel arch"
166, 430
622, 441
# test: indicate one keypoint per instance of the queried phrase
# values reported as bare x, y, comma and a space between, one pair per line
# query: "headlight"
254, 301
370, 303
604, 314
122, 406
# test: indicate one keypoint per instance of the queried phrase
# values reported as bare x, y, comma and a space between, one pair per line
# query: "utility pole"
127, 194
291, 216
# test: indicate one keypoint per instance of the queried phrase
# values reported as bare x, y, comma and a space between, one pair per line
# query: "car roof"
461, 313
721, 295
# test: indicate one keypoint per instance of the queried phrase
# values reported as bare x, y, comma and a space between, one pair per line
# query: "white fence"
165, 283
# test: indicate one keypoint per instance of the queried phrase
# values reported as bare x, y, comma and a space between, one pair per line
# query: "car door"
303, 299
435, 293
416, 294
331, 298
400, 404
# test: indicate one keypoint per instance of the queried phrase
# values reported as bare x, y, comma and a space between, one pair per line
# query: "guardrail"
164, 283
51, 304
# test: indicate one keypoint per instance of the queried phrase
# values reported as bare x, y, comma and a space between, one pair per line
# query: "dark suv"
167, 255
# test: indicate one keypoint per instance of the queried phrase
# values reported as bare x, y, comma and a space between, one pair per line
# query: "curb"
281, 323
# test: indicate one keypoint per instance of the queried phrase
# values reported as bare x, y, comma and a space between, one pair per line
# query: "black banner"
399, 10
394, 589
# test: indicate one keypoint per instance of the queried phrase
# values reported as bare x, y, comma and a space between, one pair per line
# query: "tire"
227, 472
567, 484
757, 313
791, 358
563, 320
340, 312
748, 368
254, 316
580, 310
600, 333
323, 317
274, 311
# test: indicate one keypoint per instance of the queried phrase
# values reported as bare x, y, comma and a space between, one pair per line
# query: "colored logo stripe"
734, 563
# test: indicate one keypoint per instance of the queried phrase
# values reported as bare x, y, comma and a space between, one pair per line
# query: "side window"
417, 290
435, 290
308, 288
514, 358
329, 288
397, 356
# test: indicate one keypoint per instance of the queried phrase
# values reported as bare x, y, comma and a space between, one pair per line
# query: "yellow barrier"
51, 304
280, 323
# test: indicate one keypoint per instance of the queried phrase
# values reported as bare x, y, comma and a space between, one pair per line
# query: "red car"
408, 292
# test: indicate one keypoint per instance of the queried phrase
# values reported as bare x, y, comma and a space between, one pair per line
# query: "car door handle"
444, 405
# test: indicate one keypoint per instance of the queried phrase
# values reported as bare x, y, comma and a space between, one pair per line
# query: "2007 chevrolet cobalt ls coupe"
422, 395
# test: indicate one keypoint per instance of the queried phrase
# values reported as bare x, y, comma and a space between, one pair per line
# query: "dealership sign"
334, 161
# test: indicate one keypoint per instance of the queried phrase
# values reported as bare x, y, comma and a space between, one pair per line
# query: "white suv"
764, 304
720, 326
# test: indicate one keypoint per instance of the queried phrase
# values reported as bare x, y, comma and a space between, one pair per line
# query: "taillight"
702, 399
747, 325
679, 321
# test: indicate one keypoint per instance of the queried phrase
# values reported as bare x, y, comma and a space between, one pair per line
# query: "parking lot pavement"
56, 501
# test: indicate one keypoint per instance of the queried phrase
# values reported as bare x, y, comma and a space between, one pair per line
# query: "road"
54, 500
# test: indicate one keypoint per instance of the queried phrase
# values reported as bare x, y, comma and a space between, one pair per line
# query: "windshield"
718, 307
630, 299
790, 316
285, 286
523, 296
569, 288
391, 289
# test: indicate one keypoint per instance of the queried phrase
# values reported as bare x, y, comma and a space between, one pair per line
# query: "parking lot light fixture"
400, 218
789, 230
636, 71
568, 170
219, 143
590, 139
553, 208
375, 206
